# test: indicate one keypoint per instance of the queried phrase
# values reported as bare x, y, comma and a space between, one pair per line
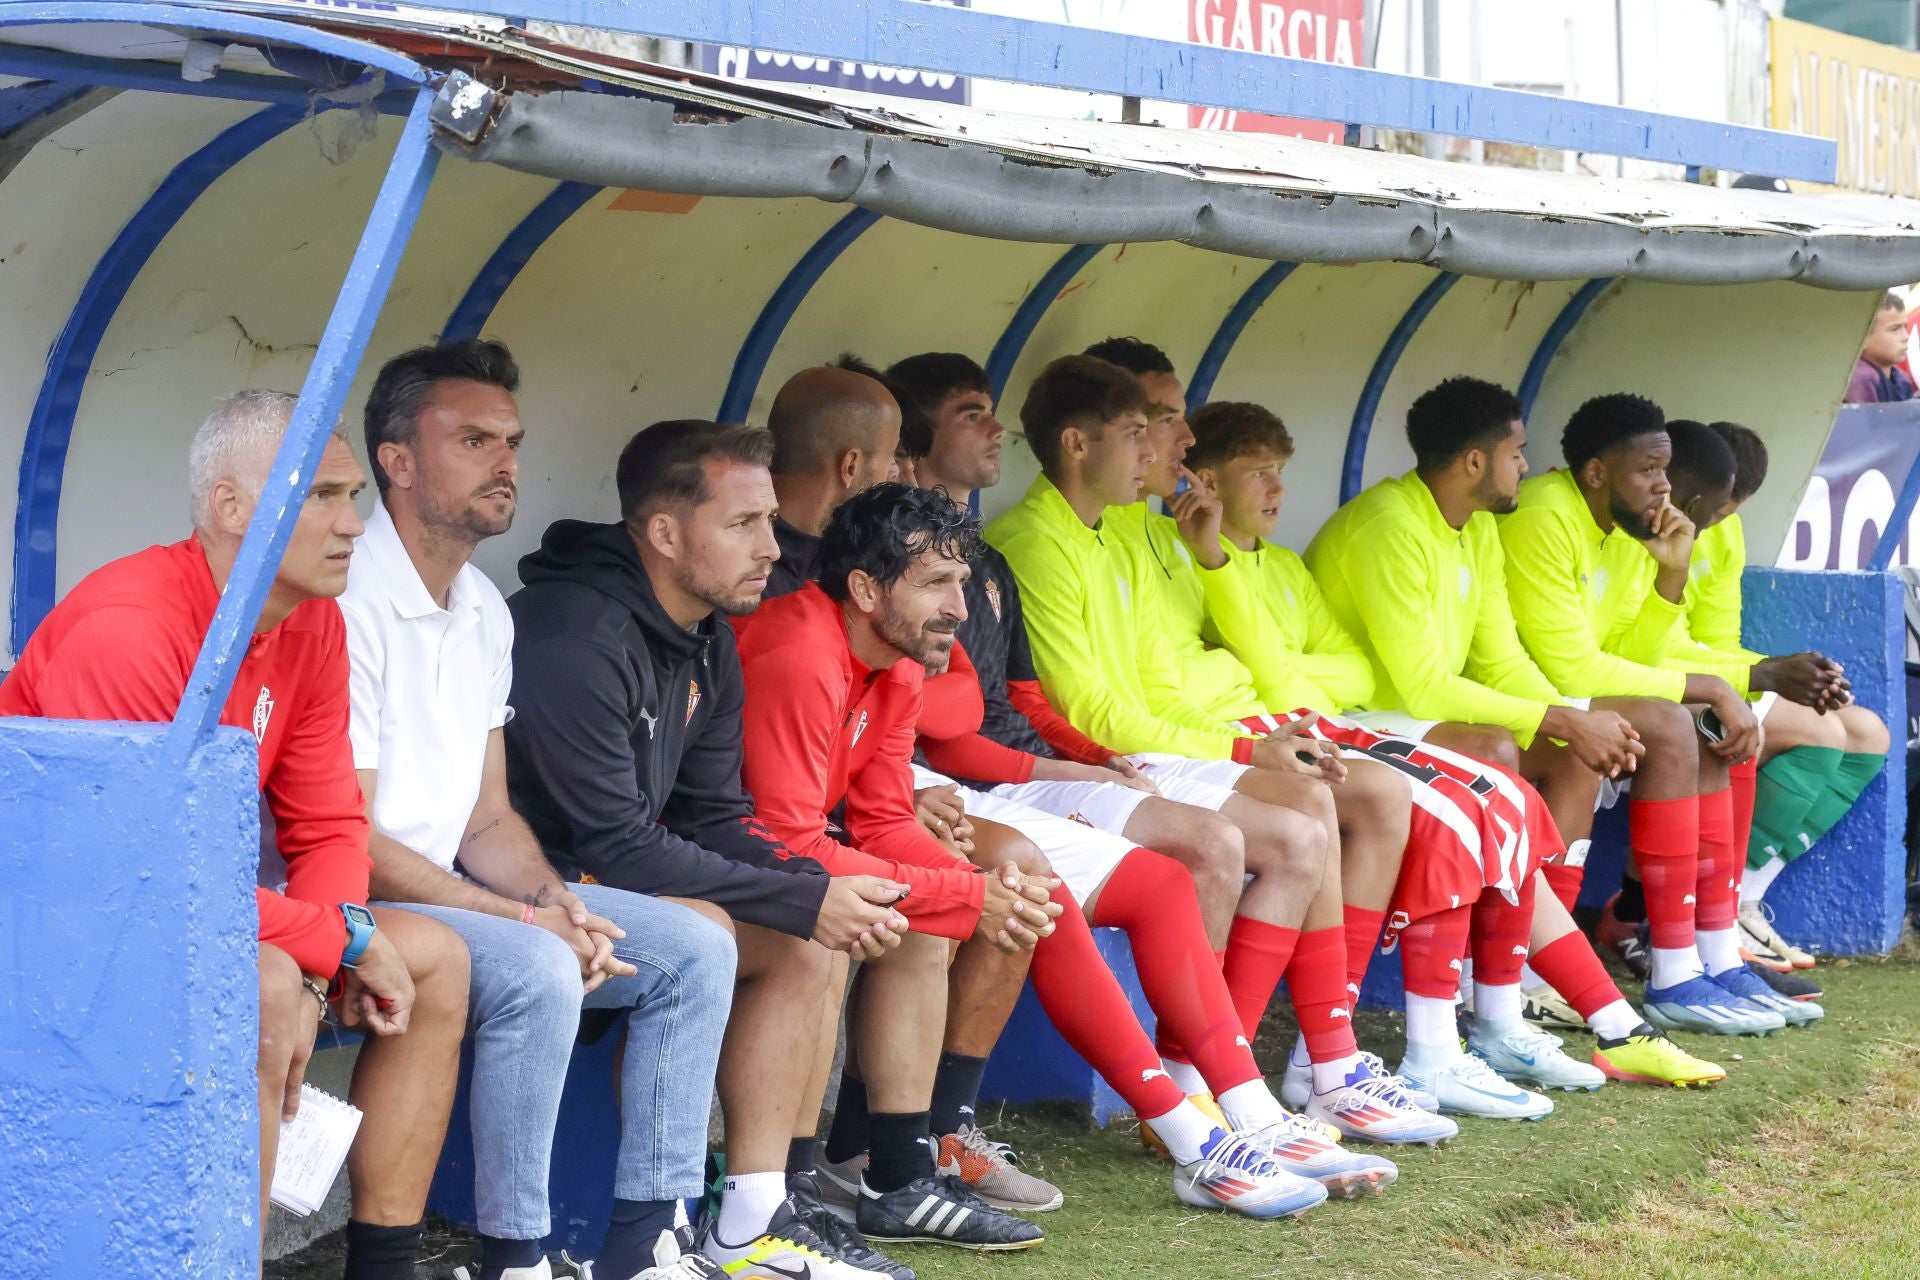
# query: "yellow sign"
1863, 95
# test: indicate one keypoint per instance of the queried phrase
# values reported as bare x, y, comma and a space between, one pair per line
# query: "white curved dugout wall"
630, 314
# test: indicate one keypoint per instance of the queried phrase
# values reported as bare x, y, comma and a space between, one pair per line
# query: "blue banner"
1850, 498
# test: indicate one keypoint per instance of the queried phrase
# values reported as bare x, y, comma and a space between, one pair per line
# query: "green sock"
1789, 786
1857, 769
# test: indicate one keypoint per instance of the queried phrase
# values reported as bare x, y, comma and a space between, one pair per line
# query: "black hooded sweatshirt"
623, 753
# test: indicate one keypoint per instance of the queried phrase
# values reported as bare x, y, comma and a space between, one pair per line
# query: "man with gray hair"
122, 645
431, 644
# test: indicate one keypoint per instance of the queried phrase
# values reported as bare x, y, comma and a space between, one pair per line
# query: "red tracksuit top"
821, 725
121, 646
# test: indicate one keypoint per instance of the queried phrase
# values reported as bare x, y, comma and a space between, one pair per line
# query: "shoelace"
1532, 1040
1476, 1072
839, 1237
1234, 1153
1384, 1086
998, 1154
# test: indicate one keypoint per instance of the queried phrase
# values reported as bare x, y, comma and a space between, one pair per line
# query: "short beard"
1488, 498
919, 643
725, 599
1634, 522
466, 523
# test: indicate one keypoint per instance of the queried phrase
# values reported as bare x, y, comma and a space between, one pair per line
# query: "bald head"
824, 414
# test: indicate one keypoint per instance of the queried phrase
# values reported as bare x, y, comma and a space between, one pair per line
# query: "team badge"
993, 597
693, 700
262, 713
860, 727
1466, 582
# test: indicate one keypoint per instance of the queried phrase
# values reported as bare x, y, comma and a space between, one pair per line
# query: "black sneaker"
837, 1237
937, 1210
1790, 985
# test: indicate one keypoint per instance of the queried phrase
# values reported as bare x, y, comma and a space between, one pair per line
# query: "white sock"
1754, 887
1719, 949
748, 1206
1433, 1038
1250, 1106
1331, 1074
1496, 1006
1185, 1130
1297, 1056
1615, 1020
1674, 965
1186, 1075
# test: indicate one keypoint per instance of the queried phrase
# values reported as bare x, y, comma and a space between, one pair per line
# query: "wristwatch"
359, 932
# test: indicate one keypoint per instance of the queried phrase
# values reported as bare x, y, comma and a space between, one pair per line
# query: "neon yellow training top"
1266, 608
1427, 604
1584, 600
1083, 592
1709, 637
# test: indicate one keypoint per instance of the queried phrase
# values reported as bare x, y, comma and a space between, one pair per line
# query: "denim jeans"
523, 1013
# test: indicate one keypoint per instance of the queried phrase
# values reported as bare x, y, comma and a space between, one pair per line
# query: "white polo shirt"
428, 685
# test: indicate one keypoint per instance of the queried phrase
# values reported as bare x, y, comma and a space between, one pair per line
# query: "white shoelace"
999, 1154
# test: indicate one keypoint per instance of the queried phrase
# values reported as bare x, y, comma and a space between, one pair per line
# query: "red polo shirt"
820, 726
121, 646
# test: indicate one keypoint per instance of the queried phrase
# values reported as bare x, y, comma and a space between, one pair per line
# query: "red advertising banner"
1320, 30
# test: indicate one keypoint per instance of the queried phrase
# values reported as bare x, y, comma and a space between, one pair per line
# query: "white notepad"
313, 1146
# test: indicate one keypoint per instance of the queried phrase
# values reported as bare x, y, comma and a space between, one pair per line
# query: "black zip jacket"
623, 753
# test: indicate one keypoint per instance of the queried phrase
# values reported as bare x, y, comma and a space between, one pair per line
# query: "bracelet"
319, 992
526, 914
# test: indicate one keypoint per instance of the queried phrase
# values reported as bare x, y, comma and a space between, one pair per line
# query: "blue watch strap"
360, 927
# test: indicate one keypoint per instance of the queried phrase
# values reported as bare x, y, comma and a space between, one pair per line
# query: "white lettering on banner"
1318, 30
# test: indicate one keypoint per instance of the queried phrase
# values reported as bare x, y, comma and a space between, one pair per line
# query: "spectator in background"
1878, 378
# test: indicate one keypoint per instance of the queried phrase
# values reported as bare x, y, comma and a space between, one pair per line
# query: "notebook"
313, 1146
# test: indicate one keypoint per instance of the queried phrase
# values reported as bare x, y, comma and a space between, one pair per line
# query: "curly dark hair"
1749, 458
882, 530
1605, 422
1225, 429
1136, 356
1460, 414
1702, 453
400, 391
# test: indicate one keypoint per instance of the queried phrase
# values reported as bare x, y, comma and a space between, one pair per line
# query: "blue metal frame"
1896, 526
930, 37
81, 72
36, 524
1026, 317
1353, 468
1556, 334
22, 104
1232, 325
758, 347
16, 13
322, 396
516, 249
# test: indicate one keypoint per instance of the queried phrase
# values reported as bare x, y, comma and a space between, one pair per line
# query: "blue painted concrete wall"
129, 1003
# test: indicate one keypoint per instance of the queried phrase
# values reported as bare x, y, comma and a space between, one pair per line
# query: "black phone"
1710, 726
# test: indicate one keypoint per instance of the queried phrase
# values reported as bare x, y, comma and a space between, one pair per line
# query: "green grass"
1626, 1182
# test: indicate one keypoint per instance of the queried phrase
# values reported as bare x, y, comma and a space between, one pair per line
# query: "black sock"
496, 1255
631, 1233
800, 1159
955, 1090
382, 1253
1631, 905
898, 1151
848, 1136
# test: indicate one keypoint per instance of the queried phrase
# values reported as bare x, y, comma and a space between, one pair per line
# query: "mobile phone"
1710, 726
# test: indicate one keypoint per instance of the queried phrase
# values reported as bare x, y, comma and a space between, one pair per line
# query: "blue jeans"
523, 1013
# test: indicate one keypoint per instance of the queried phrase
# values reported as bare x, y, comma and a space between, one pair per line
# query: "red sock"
1317, 980
1716, 888
1431, 949
1084, 1002
1152, 898
1665, 836
1500, 931
1742, 780
1565, 882
1569, 966
1362, 927
1257, 957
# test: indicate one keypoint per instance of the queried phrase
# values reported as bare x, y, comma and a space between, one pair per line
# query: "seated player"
1266, 609
1821, 749
121, 646
833, 690
1598, 558
623, 755
1220, 835
1086, 597
431, 644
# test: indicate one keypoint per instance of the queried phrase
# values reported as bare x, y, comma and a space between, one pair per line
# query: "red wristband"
526, 914
1243, 750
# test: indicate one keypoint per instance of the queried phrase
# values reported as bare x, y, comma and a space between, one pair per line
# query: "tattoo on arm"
475, 835
539, 897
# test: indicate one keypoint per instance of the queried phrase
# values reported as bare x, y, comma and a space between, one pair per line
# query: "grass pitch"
1802, 1164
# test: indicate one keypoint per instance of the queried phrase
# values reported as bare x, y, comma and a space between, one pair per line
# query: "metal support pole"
1896, 527
322, 397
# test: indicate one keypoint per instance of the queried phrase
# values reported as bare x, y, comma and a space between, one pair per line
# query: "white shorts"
1081, 855
1109, 805
1766, 703
1402, 724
